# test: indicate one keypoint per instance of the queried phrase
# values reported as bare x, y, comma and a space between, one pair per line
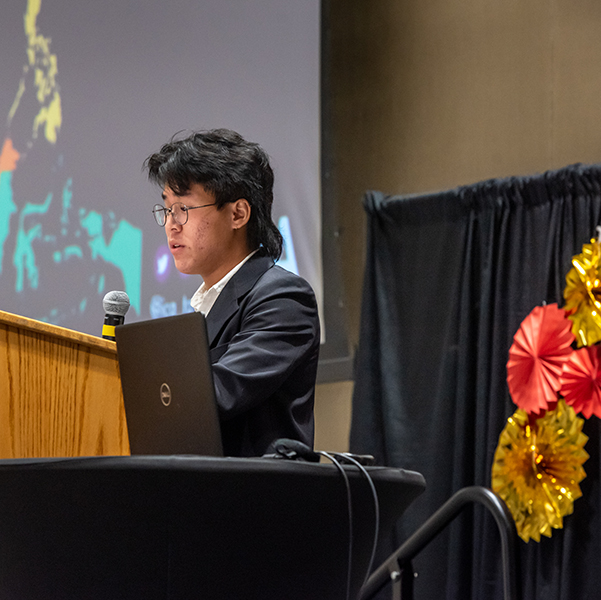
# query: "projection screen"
90, 89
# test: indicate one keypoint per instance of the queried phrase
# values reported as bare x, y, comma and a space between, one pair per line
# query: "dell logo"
165, 394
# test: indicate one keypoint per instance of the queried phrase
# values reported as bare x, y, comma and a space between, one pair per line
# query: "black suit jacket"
264, 341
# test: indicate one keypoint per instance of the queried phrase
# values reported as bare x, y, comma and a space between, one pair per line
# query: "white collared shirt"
203, 299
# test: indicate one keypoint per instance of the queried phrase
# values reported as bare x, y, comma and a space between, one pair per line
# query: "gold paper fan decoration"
583, 295
537, 469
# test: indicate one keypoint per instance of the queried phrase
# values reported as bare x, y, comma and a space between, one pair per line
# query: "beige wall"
431, 94
333, 416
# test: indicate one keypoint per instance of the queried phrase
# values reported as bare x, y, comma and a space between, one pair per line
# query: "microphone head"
116, 303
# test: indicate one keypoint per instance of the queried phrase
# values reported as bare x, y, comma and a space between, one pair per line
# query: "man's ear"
240, 213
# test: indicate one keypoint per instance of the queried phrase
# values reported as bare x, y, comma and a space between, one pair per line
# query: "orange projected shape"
9, 156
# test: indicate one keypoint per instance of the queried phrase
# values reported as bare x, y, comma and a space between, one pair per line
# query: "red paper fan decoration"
581, 381
540, 348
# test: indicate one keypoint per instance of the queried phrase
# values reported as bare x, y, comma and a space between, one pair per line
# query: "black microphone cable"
295, 450
345, 456
339, 466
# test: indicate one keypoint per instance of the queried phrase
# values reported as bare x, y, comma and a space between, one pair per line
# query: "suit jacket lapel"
228, 301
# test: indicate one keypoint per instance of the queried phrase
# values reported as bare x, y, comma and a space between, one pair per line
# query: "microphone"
115, 305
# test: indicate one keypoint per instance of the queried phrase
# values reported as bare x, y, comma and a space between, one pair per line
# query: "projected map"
43, 237
85, 99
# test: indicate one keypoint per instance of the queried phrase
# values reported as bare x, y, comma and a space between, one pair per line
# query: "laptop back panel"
167, 384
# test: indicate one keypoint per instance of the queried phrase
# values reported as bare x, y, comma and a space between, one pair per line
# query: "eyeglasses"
178, 211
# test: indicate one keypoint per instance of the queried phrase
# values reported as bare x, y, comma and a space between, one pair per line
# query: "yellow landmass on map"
51, 116
44, 66
33, 10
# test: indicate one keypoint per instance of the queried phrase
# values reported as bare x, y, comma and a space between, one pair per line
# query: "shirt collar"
203, 299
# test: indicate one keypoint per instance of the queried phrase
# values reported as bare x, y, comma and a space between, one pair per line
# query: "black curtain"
449, 278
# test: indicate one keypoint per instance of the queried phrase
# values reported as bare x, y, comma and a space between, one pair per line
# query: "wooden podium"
60, 392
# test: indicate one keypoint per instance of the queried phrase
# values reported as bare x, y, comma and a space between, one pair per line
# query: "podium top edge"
68, 335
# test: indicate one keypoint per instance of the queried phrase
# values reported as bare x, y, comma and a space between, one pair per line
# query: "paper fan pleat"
540, 348
581, 381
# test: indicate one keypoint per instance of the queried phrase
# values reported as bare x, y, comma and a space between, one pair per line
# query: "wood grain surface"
60, 392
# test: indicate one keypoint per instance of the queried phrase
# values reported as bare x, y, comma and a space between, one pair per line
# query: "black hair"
230, 168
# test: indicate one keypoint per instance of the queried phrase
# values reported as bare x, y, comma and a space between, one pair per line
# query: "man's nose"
173, 224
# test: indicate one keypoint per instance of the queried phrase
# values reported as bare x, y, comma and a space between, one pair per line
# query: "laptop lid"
167, 384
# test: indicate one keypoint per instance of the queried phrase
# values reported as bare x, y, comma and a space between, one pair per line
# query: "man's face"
203, 246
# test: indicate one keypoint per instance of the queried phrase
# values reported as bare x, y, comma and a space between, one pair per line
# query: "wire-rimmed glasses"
178, 211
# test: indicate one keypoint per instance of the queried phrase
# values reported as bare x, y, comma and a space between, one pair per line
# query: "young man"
262, 320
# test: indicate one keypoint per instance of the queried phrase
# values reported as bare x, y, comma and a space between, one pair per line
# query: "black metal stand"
397, 568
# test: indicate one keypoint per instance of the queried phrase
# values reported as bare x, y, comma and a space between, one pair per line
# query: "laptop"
167, 384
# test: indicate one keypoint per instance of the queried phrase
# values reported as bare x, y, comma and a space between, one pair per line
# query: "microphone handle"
110, 322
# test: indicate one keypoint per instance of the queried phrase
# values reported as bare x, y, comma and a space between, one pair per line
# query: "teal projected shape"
7, 208
67, 252
124, 251
24, 255
67, 203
